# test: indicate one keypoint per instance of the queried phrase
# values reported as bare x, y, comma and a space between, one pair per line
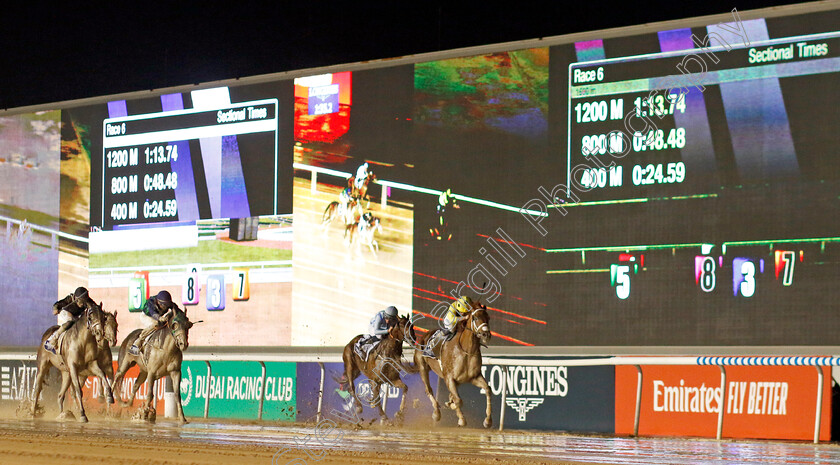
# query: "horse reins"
475, 329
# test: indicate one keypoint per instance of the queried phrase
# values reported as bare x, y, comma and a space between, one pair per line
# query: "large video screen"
670, 188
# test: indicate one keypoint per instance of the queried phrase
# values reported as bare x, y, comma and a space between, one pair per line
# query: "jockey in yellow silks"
459, 310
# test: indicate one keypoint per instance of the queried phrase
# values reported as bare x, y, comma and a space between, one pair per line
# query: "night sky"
53, 53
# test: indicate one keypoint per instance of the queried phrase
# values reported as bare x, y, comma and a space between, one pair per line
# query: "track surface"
125, 442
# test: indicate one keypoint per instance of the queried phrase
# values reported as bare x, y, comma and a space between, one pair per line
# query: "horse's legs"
117, 380
150, 396
401, 385
377, 398
456, 402
351, 372
141, 377
97, 371
62, 391
77, 390
43, 369
481, 383
424, 376
175, 375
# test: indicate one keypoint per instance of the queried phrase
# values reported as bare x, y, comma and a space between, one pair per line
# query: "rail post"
384, 195
819, 404
320, 393
207, 395
504, 399
722, 400
314, 186
638, 401
262, 391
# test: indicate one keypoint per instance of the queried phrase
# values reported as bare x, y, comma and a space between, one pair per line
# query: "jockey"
68, 310
445, 199
361, 175
158, 310
344, 199
382, 322
458, 311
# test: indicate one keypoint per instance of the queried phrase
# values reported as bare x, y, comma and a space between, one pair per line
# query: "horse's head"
110, 327
180, 326
479, 323
407, 329
95, 322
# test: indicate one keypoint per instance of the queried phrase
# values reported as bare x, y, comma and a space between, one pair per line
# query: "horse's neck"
80, 328
163, 336
470, 345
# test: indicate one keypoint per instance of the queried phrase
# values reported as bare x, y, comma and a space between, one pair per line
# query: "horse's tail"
329, 211
408, 367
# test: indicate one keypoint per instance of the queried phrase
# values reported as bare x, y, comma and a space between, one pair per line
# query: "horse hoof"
182, 421
488, 422
110, 399
436, 415
462, 422
83, 419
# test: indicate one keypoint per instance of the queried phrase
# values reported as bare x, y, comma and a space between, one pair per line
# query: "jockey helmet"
164, 297
80, 293
463, 305
391, 311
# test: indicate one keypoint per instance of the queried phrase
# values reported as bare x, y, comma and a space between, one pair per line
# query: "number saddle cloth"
59, 342
155, 340
436, 339
365, 345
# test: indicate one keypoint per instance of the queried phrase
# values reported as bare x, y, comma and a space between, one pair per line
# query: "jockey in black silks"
68, 310
158, 310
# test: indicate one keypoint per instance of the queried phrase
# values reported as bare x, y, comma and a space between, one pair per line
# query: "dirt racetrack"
123, 442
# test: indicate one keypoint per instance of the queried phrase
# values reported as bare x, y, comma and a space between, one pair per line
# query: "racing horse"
349, 214
361, 193
362, 232
80, 351
458, 361
161, 356
383, 366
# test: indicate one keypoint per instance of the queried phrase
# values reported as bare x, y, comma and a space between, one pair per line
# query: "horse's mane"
462, 325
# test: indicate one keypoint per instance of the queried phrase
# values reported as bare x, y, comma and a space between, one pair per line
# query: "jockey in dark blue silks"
68, 310
158, 310
344, 198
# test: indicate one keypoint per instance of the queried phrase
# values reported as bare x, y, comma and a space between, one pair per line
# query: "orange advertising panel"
92, 389
765, 402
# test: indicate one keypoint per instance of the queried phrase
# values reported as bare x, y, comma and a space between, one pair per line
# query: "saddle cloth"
58, 343
364, 346
437, 339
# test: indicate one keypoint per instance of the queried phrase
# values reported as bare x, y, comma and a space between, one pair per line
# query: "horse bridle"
98, 324
475, 329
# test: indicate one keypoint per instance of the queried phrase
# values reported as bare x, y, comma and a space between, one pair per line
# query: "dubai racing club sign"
234, 390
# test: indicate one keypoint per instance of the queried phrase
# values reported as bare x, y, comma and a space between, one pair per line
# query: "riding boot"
137, 347
53, 339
